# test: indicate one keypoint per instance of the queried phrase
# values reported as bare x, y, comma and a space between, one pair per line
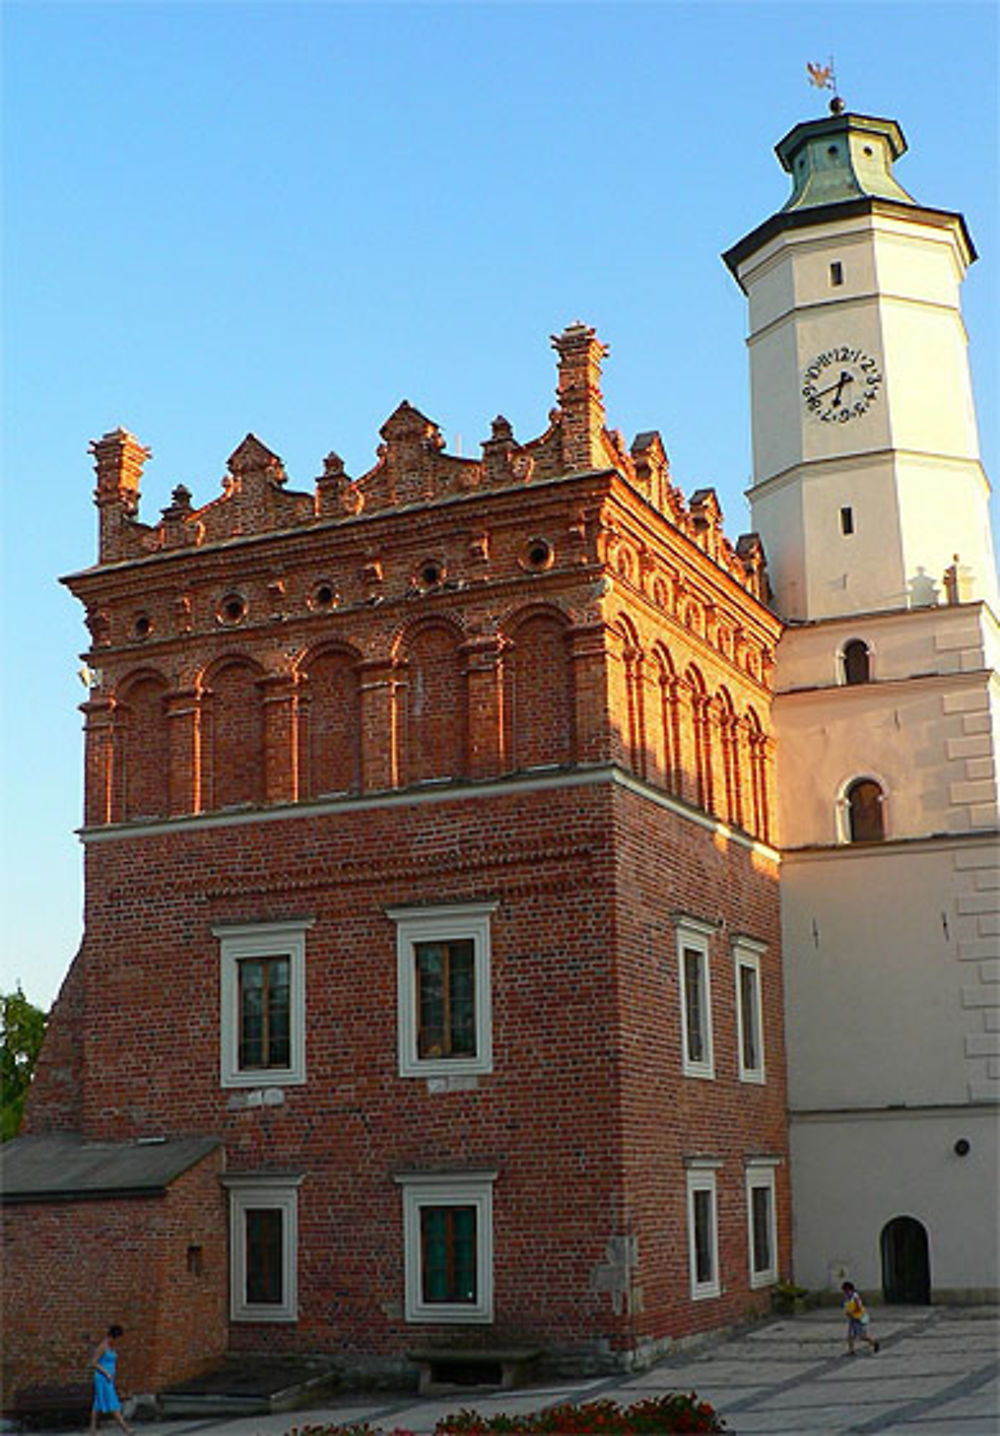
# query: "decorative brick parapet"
413, 470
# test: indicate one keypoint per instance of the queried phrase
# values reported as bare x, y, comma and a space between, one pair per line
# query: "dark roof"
828, 213
64, 1167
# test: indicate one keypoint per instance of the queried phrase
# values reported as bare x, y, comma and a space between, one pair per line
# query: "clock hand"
845, 378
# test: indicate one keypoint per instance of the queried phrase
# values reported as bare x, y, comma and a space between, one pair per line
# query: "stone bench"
46, 1405
444, 1367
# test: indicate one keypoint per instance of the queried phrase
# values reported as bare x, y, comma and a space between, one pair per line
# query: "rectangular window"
263, 1247
443, 965
264, 1232
836, 273
846, 521
448, 1254
262, 1027
703, 1213
695, 998
749, 1014
703, 1237
264, 1012
762, 1237
446, 1004
448, 1246
695, 1007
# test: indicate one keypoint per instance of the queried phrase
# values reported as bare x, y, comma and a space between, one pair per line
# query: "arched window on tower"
865, 817
856, 659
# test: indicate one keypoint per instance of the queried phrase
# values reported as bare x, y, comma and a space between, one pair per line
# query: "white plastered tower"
872, 505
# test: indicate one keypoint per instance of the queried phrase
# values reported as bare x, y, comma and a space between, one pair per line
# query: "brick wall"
72, 1268
585, 1116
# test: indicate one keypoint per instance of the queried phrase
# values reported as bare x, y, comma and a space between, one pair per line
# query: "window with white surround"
855, 662
263, 1247
443, 987
703, 1233
263, 995
448, 1246
749, 1014
762, 1233
695, 988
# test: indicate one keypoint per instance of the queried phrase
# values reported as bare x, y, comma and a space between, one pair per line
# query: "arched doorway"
906, 1264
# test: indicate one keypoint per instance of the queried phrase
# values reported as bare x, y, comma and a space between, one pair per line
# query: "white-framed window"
263, 1247
855, 662
703, 1229
695, 986
262, 1025
861, 810
443, 987
749, 1009
762, 1224
448, 1246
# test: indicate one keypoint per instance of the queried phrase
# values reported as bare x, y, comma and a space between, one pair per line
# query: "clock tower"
868, 491
871, 502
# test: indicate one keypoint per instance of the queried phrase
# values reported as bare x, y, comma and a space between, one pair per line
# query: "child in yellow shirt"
857, 1318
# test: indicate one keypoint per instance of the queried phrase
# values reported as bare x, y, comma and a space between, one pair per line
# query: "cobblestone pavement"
937, 1374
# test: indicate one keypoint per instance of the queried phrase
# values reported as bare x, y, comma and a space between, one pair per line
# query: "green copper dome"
842, 157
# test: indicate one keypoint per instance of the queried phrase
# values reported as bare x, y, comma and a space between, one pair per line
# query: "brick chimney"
118, 461
580, 402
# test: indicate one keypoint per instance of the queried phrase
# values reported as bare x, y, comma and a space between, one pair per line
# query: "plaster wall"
853, 1173
933, 538
779, 511
924, 728
891, 975
900, 545
930, 406
950, 639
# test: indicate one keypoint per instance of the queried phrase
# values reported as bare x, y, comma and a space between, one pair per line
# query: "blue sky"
285, 218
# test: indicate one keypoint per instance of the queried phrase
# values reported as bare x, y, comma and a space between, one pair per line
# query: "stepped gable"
413, 470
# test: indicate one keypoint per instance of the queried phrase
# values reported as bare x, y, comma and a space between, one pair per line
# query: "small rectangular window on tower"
836, 273
847, 521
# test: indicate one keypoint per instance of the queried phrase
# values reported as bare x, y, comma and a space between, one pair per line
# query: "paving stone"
723, 1372
788, 1378
893, 1367
943, 1423
808, 1418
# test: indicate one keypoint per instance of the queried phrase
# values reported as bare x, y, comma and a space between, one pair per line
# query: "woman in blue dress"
104, 1362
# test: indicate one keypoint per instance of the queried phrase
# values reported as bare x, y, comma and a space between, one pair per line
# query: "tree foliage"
22, 1027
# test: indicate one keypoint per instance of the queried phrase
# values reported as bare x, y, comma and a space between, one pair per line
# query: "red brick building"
430, 990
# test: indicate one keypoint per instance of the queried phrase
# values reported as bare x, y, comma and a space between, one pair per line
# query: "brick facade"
539, 683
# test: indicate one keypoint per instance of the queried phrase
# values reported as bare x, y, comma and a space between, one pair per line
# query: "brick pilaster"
379, 687
99, 761
484, 705
588, 653
281, 767
184, 745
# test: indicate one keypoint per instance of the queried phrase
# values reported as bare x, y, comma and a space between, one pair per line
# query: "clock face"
841, 384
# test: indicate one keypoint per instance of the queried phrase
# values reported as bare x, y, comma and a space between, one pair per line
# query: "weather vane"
824, 77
